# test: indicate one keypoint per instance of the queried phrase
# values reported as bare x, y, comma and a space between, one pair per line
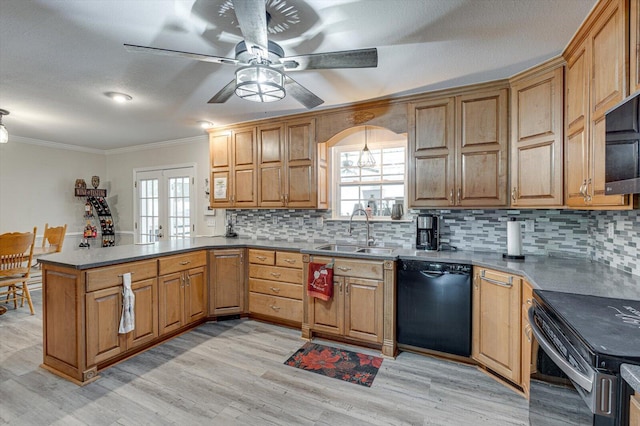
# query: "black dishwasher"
434, 306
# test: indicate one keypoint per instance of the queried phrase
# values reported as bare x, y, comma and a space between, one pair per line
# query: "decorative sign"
220, 188
86, 192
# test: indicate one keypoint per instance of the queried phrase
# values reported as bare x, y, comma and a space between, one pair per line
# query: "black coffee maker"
427, 232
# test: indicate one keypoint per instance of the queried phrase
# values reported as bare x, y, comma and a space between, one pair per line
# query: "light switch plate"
529, 225
611, 228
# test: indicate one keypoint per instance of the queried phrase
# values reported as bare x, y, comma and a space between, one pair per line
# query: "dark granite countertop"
631, 374
569, 275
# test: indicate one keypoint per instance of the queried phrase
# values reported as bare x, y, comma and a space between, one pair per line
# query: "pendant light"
366, 158
4, 135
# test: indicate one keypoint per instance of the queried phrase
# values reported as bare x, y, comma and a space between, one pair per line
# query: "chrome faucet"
370, 240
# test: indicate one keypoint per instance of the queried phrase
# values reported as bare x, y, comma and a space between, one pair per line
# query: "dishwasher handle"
432, 274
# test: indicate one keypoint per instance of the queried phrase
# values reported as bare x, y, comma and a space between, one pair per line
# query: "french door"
165, 204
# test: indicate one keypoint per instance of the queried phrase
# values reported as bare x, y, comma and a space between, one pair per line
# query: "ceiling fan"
262, 64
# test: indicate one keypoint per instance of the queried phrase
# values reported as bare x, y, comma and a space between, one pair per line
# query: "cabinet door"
271, 159
431, 153
526, 337
481, 149
195, 294
577, 141
220, 160
496, 322
328, 316
170, 302
103, 310
608, 56
244, 174
145, 312
300, 175
364, 309
537, 140
634, 46
226, 282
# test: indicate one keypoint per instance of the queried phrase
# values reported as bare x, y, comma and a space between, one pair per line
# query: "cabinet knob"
451, 197
186, 262
513, 194
459, 194
261, 257
275, 289
290, 261
343, 268
275, 308
275, 274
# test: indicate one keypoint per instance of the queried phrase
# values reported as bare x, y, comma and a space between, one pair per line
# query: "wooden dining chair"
16, 254
52, 240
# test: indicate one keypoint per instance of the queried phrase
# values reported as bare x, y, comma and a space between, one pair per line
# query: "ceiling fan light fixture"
260, 83
4, 134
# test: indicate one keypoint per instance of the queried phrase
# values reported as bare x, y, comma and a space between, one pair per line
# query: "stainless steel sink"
338, 247
375, 250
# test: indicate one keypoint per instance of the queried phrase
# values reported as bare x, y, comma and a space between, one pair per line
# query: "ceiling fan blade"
301, 93
360, 58
177, 53
252, 17
224, 94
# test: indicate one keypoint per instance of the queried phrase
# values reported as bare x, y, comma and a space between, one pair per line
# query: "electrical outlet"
319, 221
211, 222
611, 228
301, 222
275, 220
529, 226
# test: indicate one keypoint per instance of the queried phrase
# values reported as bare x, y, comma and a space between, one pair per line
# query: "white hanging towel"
127, 320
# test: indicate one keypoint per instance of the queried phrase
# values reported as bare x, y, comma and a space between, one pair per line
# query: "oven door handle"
584, 381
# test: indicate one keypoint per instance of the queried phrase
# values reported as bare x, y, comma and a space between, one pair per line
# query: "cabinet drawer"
292, 291
100, 278
354, 267
275, 273
289, 259
262, 257
181, 262
274, 306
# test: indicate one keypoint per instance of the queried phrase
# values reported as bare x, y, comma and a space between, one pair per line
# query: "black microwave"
622, 155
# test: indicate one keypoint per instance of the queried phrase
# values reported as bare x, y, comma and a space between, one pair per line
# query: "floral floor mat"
340, 364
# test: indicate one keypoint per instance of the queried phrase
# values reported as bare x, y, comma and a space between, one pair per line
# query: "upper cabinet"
634, 46
596, 80
233, 168
537, 137
272, 165
458, 150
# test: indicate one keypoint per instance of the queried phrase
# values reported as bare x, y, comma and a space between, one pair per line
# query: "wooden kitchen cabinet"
634, 46
286, 165
497, 307
358, 307
526, 337
458, 149
634, 410
233, 168
104, 310
537, 137
226, 282
596, 80
182, 290
275, 286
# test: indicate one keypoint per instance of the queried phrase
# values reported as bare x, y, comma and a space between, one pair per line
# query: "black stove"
584, 339
607, 329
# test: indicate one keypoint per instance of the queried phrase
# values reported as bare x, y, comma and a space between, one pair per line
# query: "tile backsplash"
567, 232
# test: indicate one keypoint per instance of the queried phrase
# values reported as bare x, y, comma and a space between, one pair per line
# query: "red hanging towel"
320, 283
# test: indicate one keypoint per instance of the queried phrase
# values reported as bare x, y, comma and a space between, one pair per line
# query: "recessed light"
119, 97
205, 124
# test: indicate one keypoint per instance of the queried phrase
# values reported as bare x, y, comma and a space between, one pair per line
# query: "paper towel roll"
514, 238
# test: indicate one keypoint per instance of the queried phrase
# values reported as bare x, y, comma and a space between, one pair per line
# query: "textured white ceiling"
59, 57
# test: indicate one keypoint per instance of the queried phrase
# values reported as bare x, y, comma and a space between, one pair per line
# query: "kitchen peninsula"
82, 289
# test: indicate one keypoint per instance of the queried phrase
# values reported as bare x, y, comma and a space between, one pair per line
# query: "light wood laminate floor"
232, 373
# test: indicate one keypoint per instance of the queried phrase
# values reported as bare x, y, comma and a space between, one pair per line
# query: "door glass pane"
179, 211
149, 214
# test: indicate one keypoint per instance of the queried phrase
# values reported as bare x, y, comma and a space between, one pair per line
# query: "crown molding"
55, 145
156, 145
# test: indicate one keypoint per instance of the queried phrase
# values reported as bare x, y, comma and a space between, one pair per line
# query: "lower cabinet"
103, 313
226, 282
634, 410
275, 286
497, 322
357, 309
182, 290
526, 337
